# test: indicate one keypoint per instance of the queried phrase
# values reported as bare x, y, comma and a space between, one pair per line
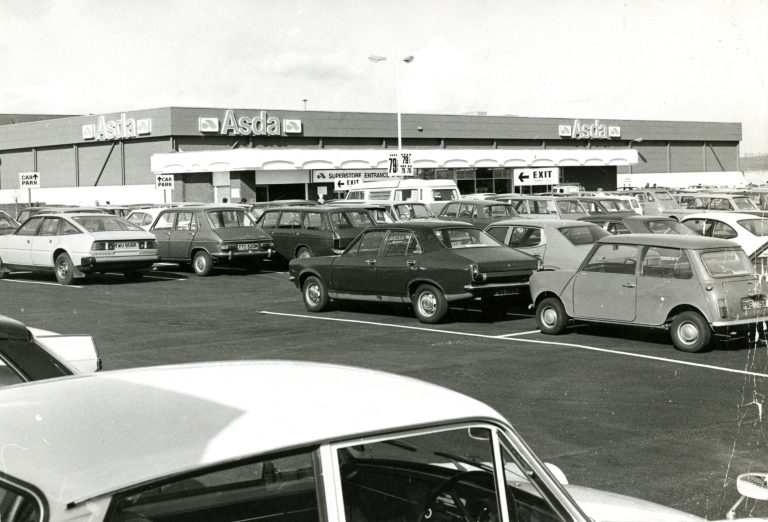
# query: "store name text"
260, 125
104, 129
589, 131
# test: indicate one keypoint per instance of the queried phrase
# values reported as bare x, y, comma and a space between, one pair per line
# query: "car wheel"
133, 275
429, 304
2, 270
690, 332
65, 270
315, 294
303, 253
202, 263
550, 316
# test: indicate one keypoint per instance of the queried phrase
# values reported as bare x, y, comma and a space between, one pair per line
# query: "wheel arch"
415, 283
685, 308
58, 251
303, 276
197, 249
543, 295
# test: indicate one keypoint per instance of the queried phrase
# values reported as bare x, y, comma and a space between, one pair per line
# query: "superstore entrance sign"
345, 179
260, 125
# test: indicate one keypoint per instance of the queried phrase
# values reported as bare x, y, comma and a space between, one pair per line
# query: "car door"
44, 242
355, 270
286, 233
606, 286
162, 229
19, 244
182, 234
665, 279
398, 263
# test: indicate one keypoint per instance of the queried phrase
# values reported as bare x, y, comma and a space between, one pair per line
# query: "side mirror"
750, 485
79, 351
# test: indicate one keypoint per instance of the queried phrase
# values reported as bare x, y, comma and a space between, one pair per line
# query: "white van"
433, 192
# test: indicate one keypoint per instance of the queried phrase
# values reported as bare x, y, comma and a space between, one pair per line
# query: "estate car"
688, 284
210, 235
73, 245
479, 212
215, 442
427, 263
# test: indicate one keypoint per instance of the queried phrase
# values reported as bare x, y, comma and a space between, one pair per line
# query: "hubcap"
63, 269
200, 264
313, 294
549, 316
427, 303
688, 332
303, 254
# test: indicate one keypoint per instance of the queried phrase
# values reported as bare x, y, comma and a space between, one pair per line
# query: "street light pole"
406, 59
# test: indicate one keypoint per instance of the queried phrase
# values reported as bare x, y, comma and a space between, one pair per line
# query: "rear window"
105, 223
444, 194
758, 227
583, 235
454, 238
229, 218
724, 263
18, 506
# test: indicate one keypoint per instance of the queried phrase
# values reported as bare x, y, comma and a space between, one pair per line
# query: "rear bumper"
97, 264
739, 322
241, 256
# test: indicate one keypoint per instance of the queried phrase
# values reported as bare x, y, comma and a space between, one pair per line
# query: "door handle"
370, 261
629, 285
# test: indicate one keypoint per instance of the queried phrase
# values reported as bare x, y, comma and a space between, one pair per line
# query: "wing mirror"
750, 485
79, 351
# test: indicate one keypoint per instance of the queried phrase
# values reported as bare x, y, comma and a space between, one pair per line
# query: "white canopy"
314, 159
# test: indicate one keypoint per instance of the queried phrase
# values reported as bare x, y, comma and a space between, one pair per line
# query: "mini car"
76, 244
28, 354
688, 284
199, 442
210, 235
479, 212
428, 263
307, 231
560, 244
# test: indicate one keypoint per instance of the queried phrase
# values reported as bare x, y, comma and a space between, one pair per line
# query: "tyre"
429, 304
2, 270
64, 269
303, 252
133, 275
315, 294
550, 316
690, 332
202, 263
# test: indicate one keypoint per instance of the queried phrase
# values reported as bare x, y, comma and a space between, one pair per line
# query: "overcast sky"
691, 60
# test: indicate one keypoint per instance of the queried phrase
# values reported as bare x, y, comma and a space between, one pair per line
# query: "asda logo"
259, 125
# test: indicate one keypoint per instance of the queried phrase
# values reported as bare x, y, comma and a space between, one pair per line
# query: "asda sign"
589, 130
262, 124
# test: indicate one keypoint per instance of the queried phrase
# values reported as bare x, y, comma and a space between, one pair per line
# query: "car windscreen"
582, 234
464, 237
758, 227
669, 226
351, 219
724, 263
231, 218
31, 360
744, 203
412, 211
105, 223
444, 194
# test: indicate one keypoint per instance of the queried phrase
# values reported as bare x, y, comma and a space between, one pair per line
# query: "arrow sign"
540, 176
29, 180
522, 177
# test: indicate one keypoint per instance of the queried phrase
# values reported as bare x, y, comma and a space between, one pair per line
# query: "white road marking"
516, 334
39, 283
532, 341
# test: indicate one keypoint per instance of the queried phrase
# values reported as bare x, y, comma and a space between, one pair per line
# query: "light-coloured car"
748, 230
545, 207
7, 223
144, 217
31, 354
199, 442
689, 284
724, 202
560, 244
73, 245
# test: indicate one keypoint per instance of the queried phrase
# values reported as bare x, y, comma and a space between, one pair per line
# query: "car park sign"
530, 177
163, 181
29, 180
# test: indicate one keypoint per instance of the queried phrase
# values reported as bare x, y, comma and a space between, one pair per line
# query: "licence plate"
125, 245
506, 291
248, 246
750, 303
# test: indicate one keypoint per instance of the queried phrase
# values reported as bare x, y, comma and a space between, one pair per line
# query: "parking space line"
38, 283
532, 341
516, 334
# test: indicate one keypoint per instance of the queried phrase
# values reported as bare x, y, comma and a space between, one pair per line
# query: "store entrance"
591, 178
282, 191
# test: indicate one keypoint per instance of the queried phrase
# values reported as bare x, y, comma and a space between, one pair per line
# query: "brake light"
336, 241
721, 304
476, 274
102, 245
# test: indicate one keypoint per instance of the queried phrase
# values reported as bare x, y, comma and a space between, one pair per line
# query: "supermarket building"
207, 154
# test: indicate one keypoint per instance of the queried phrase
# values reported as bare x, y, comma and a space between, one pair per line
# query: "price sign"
400, 164
29, 180
163, 181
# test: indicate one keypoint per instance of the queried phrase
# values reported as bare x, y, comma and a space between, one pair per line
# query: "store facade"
260, 154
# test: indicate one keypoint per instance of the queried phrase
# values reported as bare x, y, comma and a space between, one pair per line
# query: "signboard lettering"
400, 164
528, 177
105, 130
29, 180
260, 125
589, 131
344, 179
163, 181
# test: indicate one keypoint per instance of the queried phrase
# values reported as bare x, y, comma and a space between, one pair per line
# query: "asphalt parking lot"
618, 409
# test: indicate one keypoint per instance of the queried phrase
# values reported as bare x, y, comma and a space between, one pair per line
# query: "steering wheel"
478, 509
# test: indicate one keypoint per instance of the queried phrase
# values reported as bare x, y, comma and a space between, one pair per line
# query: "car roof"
722, 216
542, 222
670, 241
81, 437
425, 224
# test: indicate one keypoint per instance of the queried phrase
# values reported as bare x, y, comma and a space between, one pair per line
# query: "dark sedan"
426, 263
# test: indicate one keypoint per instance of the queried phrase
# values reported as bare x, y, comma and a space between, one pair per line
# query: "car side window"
185, 221
451, 209
722, 230
268, 220
400, 243
617, 228
314, 221
280, 489
68, 228
498, 233
720, 204
667, 263
29, 227
50, 227
371, 243
522, 237
17, 505
289, 219
164, 221
137, 218
613, 259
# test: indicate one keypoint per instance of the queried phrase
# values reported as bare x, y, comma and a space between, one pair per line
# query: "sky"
674, 60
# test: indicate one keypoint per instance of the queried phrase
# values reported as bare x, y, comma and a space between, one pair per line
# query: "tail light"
102, 245
721, 304
336, 241
476, 274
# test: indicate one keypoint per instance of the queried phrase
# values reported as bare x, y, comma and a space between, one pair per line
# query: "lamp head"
408, 59
375, 58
